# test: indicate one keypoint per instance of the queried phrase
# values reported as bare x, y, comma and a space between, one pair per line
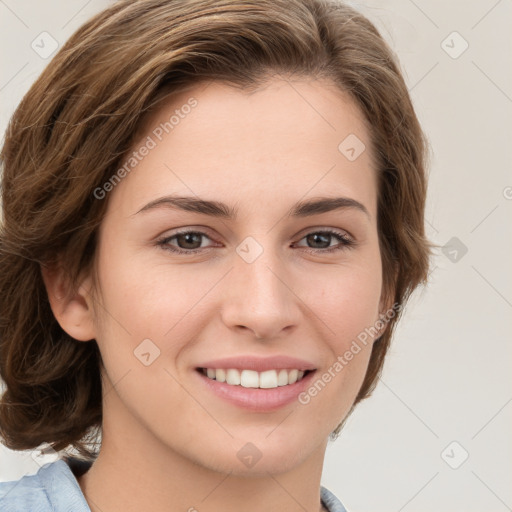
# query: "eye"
321, 241
191, 242
188, 242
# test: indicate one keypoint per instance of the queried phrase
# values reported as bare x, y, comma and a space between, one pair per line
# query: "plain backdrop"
436, 433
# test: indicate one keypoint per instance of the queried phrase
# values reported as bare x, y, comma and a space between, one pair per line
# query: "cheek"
142, 300
349, 309
149, 314
346, 299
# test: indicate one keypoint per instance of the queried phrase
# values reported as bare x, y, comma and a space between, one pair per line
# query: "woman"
213, 215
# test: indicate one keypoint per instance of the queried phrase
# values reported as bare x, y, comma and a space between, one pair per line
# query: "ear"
72, 309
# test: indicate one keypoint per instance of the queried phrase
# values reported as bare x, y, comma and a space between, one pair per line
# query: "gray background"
446, 392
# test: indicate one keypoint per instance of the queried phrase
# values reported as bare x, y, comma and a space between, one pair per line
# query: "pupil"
324, 238
189, 239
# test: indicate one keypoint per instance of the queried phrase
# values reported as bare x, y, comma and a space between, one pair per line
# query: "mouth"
268, 379
259, 392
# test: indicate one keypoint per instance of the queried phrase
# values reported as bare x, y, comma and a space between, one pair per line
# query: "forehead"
289, 139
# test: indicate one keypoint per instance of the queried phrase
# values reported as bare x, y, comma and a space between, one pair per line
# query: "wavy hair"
68, 136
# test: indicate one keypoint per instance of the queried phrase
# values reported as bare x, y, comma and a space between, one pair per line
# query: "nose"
259, 297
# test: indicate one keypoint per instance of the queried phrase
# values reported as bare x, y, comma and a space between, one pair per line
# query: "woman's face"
261, 276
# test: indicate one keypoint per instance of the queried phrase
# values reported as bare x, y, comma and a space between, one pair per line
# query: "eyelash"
345, 242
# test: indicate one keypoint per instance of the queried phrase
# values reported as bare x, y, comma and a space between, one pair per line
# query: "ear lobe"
72, 309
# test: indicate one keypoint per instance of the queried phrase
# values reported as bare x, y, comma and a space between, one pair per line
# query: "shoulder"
330, 501
53, 488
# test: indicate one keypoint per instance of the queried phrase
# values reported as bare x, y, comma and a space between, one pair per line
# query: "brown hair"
71, 130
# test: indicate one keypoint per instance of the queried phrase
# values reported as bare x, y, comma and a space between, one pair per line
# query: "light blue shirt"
54, 488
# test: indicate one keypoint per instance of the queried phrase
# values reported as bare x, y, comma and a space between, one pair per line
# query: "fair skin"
169, 443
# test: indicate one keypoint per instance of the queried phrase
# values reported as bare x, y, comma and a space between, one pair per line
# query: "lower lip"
257, 399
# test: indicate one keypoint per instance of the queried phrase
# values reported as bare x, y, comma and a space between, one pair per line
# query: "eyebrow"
217, 209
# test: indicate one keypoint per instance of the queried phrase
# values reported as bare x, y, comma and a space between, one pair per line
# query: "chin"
274, 465
255, 459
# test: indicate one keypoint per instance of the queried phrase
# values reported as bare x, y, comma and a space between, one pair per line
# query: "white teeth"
252, 379
282, 379
268, 379
233, 377
249, 379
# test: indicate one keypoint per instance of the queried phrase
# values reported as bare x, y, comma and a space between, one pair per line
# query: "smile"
252, 379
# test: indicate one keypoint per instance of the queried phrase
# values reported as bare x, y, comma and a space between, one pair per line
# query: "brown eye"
189, 240
321, 241
186, 242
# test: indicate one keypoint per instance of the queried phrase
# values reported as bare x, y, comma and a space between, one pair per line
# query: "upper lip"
259, 364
